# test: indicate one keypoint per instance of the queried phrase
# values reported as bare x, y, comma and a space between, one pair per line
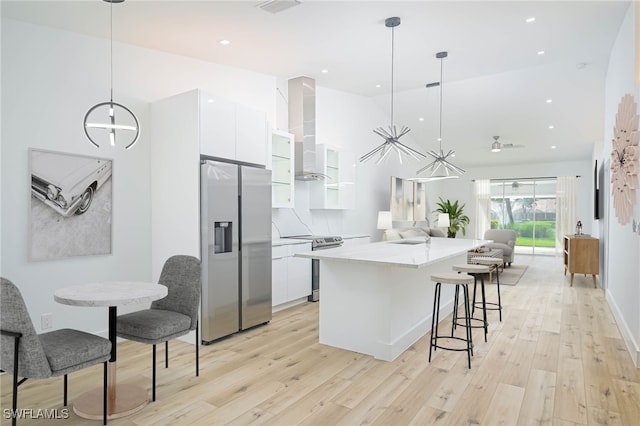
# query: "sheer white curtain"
565, 210
482, 193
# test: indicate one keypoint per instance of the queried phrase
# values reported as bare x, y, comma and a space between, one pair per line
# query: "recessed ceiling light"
324, 71
553, 147
540, 52
549, 101
211, 101
224, 42
530, 20
377, 85
421, 118
551, 126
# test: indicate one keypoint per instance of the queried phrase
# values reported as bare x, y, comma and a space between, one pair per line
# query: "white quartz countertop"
409, 253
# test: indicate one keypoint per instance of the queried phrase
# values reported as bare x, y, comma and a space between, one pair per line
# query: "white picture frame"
70, 212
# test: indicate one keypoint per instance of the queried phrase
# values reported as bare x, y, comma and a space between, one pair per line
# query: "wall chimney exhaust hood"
302, 124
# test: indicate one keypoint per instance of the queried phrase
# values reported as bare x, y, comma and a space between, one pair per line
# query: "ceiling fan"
496, 146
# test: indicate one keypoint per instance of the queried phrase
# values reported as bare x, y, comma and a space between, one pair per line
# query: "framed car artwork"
71, 205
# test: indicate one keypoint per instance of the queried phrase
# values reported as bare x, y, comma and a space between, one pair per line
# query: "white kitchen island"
377, 298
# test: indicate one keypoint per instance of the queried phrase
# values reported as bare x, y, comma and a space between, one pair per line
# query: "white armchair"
504, 239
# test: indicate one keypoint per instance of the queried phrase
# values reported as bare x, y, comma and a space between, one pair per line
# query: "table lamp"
443, 220
384, 220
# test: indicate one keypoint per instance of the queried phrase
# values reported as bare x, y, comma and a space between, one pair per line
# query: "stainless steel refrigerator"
235, 216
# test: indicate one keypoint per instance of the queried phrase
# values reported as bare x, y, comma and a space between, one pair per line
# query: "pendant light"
391, 135
102, 116
495, 146
440, 163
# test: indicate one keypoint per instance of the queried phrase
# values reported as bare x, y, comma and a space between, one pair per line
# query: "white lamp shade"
443, 220
384, 220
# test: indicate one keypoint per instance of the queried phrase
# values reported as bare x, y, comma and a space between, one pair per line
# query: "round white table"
122, 399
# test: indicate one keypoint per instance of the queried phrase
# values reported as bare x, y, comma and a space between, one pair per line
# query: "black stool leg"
475, 281
465, 289
498, 287
434, 323
455, 311
484, 308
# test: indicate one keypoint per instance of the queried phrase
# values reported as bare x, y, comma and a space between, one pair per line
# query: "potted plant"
457, 219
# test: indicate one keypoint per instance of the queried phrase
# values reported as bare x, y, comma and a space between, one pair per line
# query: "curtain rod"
527, 178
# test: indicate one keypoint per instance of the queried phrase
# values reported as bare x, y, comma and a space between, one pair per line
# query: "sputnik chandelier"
440, 162
391, 135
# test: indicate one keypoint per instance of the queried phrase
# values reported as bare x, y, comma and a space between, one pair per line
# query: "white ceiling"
495, 83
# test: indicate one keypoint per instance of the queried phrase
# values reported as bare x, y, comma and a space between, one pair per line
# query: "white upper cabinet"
337, 191
282, 151
217, 127
251, 135
232, 131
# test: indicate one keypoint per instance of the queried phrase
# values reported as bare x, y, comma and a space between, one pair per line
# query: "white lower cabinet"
278, 275
291, 276
299, 273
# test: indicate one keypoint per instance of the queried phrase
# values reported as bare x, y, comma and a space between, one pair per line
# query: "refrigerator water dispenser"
222, 241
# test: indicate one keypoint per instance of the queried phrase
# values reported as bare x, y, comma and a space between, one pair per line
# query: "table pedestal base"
128, 400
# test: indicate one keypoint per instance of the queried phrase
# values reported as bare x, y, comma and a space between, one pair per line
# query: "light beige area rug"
511, 275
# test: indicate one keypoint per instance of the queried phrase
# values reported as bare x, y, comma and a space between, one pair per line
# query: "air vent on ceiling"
275, 6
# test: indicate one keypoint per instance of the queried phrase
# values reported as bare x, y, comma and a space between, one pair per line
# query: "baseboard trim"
627, 336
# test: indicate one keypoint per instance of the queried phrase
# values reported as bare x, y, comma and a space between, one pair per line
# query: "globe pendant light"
102, 116
391, 135
440, 162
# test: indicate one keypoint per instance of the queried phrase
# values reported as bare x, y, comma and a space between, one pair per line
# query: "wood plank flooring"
557, 358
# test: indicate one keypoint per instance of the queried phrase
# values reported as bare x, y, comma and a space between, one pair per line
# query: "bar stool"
474, 271
490, 261
458, 280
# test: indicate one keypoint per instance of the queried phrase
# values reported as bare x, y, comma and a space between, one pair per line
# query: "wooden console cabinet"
581, 256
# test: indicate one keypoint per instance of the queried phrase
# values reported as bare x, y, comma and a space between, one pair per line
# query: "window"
529, 207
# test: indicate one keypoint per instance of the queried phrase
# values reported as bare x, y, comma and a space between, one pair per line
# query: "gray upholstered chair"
39, 356
170, 317
504, 239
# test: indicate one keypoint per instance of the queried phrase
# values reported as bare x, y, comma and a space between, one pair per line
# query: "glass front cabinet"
337, 190
282, 167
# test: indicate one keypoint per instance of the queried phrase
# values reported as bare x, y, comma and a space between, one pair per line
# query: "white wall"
622, 246
49, 79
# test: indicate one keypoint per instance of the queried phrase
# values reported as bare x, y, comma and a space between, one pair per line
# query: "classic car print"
67, 183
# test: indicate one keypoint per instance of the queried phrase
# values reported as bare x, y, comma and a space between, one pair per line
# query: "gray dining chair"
170, 317
39, 356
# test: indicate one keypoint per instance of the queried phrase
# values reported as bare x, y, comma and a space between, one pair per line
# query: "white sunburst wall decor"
624, 159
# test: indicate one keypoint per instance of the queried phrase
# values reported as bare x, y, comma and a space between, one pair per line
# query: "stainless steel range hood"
302, 124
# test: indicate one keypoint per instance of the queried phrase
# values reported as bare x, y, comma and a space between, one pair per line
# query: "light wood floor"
556, 358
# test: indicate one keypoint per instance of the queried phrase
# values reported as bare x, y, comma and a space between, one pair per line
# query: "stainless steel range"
318, 242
